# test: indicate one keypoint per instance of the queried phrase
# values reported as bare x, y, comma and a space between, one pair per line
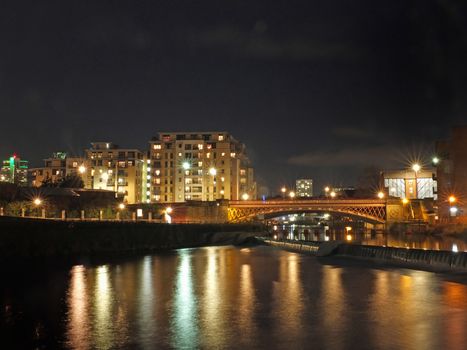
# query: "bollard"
63, 215
100, 214
150, 216
43, 213
82, 214
23, 212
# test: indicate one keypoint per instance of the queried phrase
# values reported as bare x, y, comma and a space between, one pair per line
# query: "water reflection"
78, 322
184, 318
404, 240
227, 297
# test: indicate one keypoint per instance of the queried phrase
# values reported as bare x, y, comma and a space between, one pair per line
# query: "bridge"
371, 210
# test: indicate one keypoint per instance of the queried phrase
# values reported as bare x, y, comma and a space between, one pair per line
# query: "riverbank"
30, 238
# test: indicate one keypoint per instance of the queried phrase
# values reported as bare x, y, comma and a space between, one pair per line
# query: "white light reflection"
102, 300
78, 322
184, 318
146, 302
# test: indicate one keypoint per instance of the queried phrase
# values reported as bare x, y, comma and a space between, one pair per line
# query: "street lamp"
283, 190
326, 190
348, 235
435, 160
121, 206
292, 194
380, 194
333, 194
37, 201
452, 199
213, 171
245, 196
416, 168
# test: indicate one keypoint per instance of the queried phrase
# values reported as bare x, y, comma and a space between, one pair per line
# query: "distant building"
56, 168
451, 164
304, 188
109, 167
14, 170
202, 166
410, 184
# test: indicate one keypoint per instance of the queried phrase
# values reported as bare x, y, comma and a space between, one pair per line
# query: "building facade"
200, 166
56, 168
451, 164
109, 167
14, 170
304, 188
411, 184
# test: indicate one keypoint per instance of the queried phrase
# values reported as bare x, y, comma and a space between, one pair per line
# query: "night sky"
316, 89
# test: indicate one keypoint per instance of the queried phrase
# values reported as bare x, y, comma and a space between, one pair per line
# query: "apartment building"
14, 170
304, 188
112, 168
56, 168
199, 166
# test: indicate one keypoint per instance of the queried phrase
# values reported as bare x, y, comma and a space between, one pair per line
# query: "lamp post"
37, 203
292, 194
326, 191
283, 190
452, 210
416, 168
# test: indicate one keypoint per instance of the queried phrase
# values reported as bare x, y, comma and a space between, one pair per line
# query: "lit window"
208, 155
179, 154
222, 179
157, 146
221, 138
242, 172
149, 169
157, 197
149, 176
200, 146
158, 181
223, 154
158, 172
232, 154
148, 192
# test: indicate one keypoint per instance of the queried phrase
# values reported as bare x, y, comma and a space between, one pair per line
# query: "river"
230, 297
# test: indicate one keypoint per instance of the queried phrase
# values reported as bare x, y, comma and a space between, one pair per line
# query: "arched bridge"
372, 210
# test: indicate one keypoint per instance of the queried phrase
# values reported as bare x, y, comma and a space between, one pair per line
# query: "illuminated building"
304, 188
14, 170
56, 168
410, 184
451, 165
202, 166
115, 169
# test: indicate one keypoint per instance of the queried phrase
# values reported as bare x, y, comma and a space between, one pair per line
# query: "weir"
427, 259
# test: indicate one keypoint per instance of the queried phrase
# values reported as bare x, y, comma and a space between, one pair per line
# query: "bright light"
333, 194
454, 248
405, 201
326, 238
283, 189
380, 195
82, 169
416, 167
275, 236
212, 171
327, 189
435, 160
348, 237
139, 213
452, 199
37, 201
121, 206
186, 165
292, 194
348, 228
168, 210
105, 176
274, 227
326, 216
453, 210
245, 196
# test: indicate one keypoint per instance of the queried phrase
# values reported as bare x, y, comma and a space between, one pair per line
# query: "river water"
230, 297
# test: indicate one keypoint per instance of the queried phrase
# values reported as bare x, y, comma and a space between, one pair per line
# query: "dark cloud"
257, 43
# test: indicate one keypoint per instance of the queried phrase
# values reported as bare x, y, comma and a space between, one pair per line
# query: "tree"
71, 181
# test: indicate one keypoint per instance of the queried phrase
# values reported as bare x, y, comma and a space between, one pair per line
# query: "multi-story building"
115, 169
56, 168
201, 166
411, 184
451, 165
304, 188
14, 170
